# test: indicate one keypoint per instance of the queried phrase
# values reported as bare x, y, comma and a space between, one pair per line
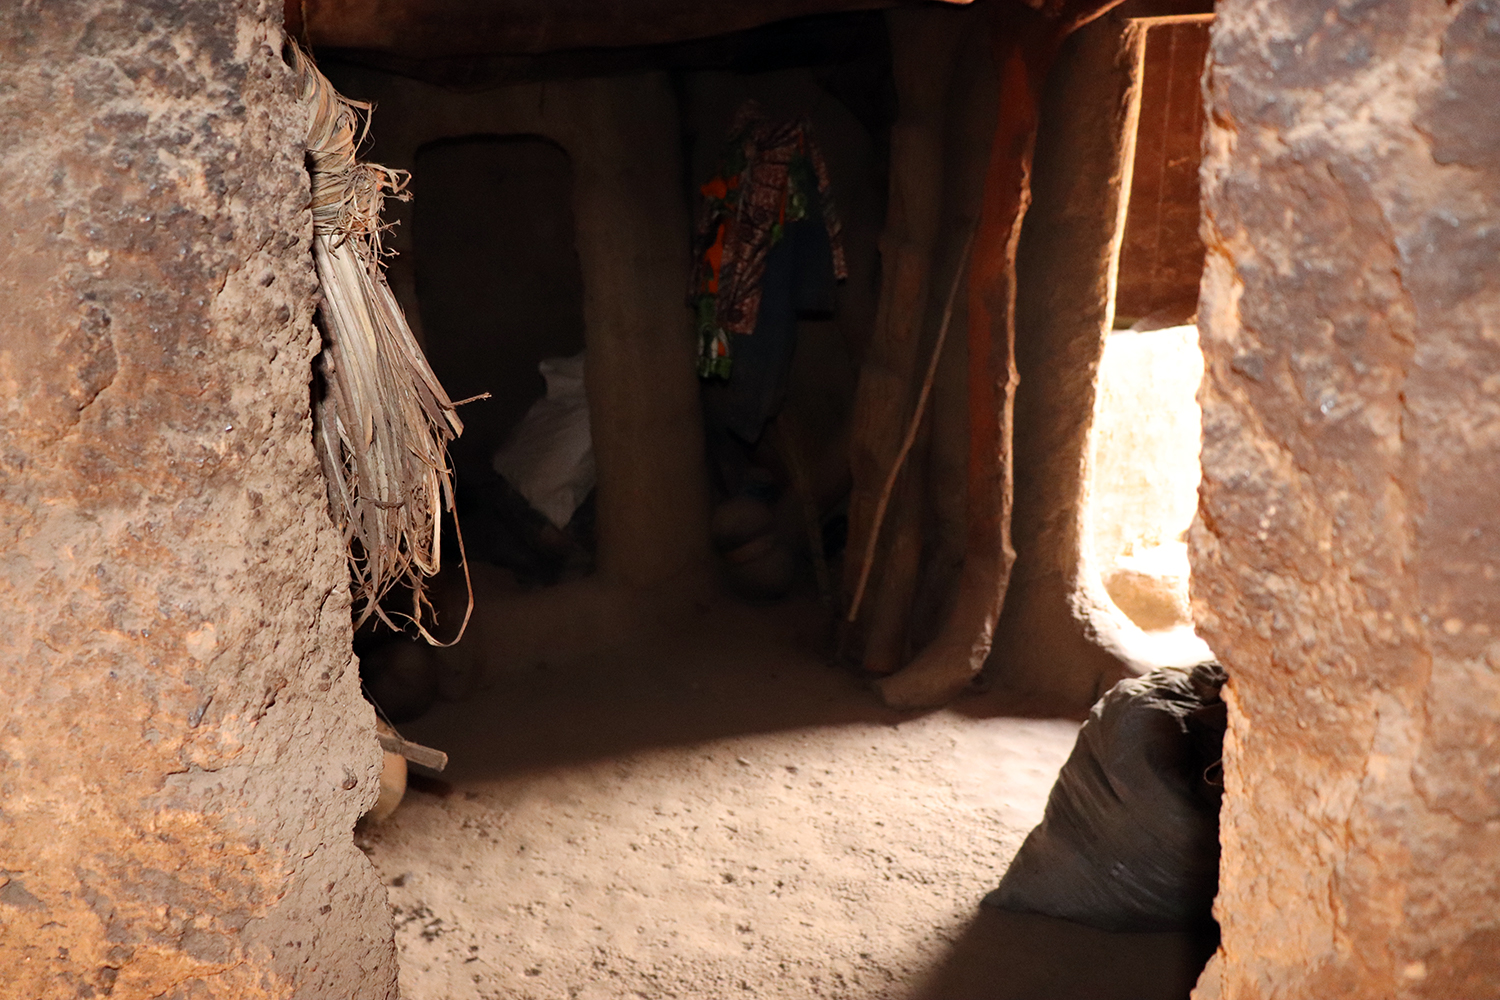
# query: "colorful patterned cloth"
770, 175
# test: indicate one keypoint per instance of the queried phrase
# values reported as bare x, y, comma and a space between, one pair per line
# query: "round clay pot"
737, 521
401, 678
762, 568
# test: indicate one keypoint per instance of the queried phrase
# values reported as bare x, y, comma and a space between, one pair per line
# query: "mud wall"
1054, 629
1346, 553
947, 96
183, 749
437, 28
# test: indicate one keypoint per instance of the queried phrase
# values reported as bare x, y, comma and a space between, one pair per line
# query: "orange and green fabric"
770, 174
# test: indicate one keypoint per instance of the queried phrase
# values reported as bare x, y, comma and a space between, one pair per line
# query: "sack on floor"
1130, 837
549, 458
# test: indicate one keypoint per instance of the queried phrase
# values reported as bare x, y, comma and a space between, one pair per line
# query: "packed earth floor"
715, 811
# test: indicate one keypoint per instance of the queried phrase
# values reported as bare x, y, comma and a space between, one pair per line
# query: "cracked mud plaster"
181, 706
1346, 553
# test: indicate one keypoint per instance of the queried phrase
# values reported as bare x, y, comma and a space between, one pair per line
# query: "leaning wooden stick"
911, 435
434, 760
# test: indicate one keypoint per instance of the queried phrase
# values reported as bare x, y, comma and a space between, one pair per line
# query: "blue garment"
798, 281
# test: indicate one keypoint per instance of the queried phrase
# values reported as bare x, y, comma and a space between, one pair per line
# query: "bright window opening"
1144, 468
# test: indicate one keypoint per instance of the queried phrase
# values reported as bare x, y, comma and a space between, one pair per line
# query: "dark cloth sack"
1130, 838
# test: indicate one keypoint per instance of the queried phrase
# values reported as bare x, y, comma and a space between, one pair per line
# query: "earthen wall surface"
1346, 555
1048, 637
183, 746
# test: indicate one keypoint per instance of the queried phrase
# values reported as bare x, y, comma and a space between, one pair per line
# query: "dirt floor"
716, 812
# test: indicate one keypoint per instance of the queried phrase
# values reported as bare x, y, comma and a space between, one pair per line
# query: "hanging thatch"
383, 422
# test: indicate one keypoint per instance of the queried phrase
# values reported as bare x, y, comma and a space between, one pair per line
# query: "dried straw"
383, 423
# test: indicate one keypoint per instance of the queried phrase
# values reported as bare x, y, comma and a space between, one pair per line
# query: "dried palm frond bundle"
383, 422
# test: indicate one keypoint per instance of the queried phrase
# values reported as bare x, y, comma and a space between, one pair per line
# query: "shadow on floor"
1016, 956
733, 670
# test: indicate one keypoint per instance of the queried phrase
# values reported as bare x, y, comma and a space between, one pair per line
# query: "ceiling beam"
442, 28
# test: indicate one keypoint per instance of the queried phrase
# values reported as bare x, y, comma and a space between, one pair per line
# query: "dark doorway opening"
498, 277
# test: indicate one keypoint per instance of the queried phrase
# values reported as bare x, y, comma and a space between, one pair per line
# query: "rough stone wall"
1346, 554
183, 747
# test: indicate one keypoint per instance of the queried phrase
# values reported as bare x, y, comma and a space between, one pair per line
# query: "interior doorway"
1143, 463
498, 276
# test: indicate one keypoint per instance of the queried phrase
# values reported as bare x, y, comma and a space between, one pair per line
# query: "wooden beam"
1167, 11
439, 28
427, 757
